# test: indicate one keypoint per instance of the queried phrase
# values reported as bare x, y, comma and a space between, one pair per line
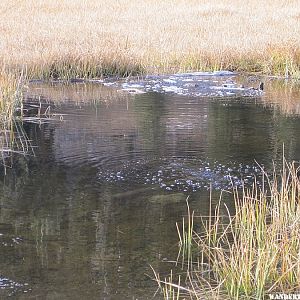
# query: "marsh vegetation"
85, 192
245, 254
12, 135
91, 38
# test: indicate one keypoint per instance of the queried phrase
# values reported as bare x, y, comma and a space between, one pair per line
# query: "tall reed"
12, 136
255, 251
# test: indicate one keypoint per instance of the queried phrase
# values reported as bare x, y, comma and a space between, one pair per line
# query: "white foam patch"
172, 89
134, 91
196, 84
170, 81
132, 85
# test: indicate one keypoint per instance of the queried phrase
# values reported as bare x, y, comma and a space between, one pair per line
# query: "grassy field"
90, 38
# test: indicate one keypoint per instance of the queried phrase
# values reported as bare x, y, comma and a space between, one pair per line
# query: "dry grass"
250, 254
90, 38
10, 100
12, 135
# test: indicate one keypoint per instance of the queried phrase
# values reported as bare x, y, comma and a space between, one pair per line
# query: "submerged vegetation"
248, 254
63, 39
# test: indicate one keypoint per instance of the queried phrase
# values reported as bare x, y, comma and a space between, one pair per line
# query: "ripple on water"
184, 175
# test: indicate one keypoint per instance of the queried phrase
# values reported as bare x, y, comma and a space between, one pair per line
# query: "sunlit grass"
69, 39
253, 252
12, 135
186, 238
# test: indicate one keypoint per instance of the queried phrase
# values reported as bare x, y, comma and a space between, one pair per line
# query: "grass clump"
10, 94
253, 252
12, 135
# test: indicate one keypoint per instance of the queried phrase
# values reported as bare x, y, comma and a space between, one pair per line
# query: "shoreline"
141, 76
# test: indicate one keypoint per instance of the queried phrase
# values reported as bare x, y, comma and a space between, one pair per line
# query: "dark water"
86, 216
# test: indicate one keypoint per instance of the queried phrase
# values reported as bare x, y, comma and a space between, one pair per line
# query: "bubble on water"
183, 174
12, 286
10, 240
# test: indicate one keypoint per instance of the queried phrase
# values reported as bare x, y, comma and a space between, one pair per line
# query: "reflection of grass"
254, 252
91, 38
283, 95
76, 94
12, 135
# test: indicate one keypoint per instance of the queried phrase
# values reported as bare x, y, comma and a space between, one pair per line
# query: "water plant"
254, 251
186, 237
12, 136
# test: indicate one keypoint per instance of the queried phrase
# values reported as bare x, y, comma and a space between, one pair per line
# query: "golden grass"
12, 135
10, 93
90, 38
250, 254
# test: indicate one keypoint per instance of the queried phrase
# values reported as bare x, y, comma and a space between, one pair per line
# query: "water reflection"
84, 217
284, 95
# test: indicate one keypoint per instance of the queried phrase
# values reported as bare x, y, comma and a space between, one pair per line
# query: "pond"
95, 202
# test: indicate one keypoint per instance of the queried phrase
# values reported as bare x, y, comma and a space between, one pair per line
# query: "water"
86, 216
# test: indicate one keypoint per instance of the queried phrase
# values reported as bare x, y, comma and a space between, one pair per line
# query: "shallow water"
85, 216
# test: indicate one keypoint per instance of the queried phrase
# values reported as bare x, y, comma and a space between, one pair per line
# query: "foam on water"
9, 241
184, 175
12, 287
197, 84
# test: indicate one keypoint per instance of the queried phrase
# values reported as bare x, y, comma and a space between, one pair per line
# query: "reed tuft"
13, 138
253, 252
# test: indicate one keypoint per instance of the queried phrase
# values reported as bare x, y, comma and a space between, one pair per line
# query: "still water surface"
85, 216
